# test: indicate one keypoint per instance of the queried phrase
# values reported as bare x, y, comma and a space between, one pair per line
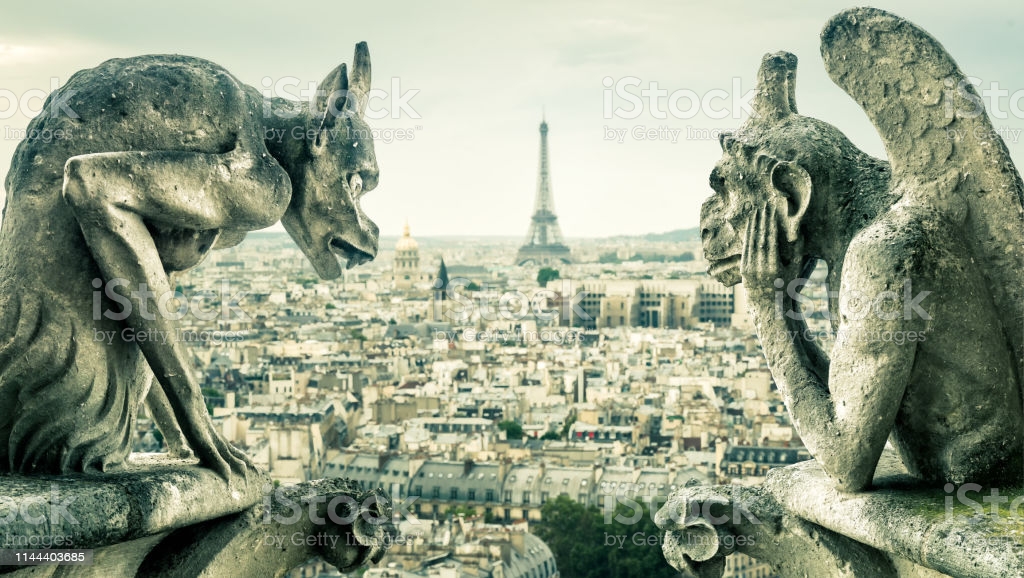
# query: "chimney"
518, 541
467, 467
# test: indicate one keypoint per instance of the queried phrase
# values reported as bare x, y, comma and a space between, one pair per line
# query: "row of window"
454, 494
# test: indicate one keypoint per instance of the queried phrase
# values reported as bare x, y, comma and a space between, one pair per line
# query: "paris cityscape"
482, 380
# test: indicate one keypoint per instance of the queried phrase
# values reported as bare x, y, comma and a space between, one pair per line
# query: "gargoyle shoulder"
898, 246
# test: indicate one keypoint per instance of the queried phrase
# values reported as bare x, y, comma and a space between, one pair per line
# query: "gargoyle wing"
940, 142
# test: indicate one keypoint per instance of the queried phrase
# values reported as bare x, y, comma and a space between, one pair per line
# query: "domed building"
405, 271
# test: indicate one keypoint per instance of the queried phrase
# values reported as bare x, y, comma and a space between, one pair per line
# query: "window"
472, 495
455, 493
437, 492
526, 498
543, 498
418, 490
490, 495
508, 496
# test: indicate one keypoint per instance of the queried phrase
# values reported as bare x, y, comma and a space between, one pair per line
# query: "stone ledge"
803, 526
154, 494
167, 517
904, 519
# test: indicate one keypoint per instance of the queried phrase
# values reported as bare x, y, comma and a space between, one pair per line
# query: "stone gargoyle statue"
169, 158
925, 257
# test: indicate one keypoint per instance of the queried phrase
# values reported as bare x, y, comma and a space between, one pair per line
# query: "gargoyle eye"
355, 184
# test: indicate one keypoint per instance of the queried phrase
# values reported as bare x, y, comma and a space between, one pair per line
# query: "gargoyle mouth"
718, 266
353, 255
725, 270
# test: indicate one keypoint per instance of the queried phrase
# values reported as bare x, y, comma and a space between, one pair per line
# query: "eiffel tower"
543, 244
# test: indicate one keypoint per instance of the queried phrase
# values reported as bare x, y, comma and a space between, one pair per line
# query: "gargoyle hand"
761, 265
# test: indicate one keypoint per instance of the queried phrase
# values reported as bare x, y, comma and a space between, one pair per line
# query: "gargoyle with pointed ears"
167, 158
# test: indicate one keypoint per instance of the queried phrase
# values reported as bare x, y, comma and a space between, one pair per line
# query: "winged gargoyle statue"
925, 257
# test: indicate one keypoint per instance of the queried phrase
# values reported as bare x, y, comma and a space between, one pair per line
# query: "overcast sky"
486, 70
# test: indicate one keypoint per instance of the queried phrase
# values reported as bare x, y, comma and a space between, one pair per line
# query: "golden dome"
406, 243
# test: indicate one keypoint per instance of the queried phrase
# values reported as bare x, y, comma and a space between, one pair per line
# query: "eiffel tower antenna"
543, 245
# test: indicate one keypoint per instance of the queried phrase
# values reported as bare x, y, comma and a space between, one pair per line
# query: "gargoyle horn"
776, 88
359, 81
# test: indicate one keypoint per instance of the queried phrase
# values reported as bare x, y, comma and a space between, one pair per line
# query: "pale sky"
485, 71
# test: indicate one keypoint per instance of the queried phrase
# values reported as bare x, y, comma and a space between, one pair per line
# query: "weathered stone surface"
704, 524
269, 542
169, 518
155, 494
928, 526
925, 258
799, 522
168, 158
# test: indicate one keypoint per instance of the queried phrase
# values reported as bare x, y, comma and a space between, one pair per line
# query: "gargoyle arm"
113, 195
845, 421
228, 239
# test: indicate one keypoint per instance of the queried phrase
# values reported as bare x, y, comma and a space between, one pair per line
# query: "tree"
512, 429
462, 510
546, 274
567, 426
550, 436
587, 543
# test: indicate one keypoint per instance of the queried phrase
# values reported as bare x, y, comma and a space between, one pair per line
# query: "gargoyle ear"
340, 95
726, 140
794, 186
332, 96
